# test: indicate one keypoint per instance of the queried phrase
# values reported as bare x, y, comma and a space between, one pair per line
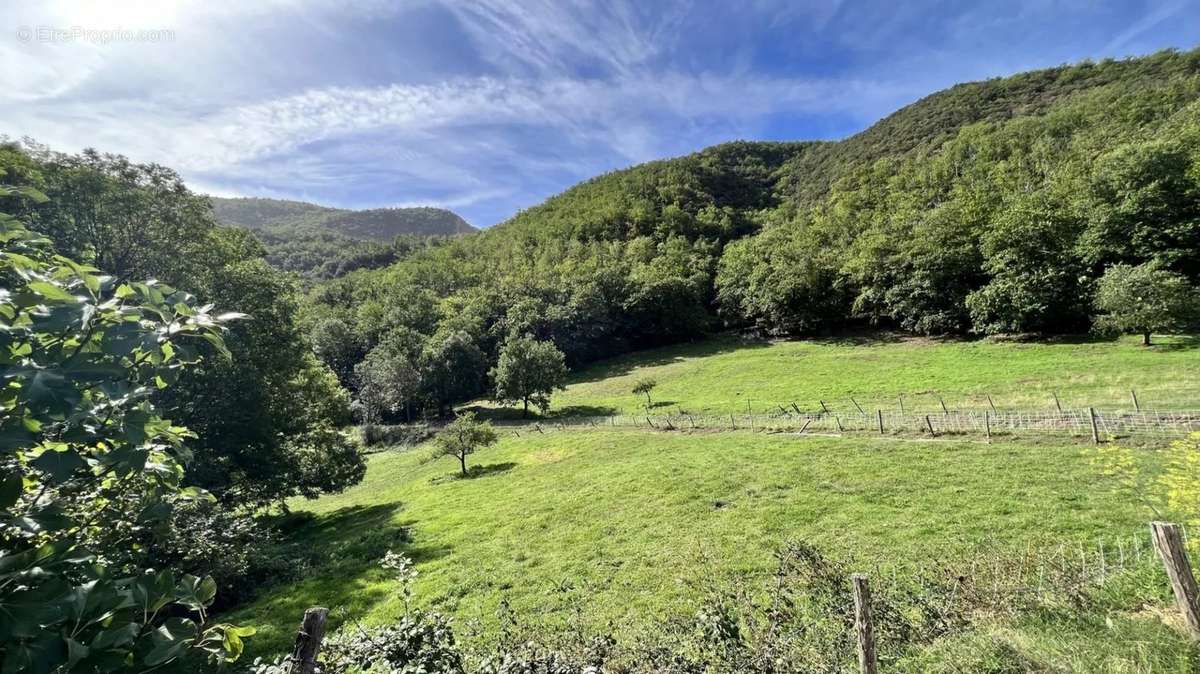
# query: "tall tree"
387, 383
452, 367
1145, 299
267, 417
529, 371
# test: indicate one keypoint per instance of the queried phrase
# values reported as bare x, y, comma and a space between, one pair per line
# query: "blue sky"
487, 107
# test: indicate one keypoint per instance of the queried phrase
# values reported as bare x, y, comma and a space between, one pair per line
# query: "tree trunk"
525, 413
1145, 339
462, 462
647, 400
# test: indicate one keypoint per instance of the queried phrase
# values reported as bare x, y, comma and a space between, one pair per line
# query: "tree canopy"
463, 437
1146, 299
528, 371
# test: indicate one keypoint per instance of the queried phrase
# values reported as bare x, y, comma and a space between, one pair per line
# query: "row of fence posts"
1093, 420
1167, 538
990, 417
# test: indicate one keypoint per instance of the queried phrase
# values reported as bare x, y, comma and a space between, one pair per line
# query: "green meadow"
639, 522
719, 376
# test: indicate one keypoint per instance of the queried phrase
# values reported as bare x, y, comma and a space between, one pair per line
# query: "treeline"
267, 418
993, 207
318, 256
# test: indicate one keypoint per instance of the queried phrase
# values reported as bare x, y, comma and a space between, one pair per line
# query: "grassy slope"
717, 376
636, 518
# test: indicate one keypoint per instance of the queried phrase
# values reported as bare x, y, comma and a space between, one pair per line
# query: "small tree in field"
644, 387
528, 372
464, 436
1143, 300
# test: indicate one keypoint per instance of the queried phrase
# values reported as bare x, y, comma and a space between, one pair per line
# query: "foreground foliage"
88, 463
266, 416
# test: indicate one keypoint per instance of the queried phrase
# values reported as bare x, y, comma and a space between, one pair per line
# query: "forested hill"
320, 242
379, 224
990, 207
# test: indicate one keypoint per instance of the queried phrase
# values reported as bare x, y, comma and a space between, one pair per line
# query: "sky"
488, 107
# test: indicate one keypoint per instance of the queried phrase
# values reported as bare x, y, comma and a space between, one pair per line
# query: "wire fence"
1071, 422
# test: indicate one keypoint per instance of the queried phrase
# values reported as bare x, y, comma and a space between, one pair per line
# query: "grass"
719, 376
639, 522
636, 518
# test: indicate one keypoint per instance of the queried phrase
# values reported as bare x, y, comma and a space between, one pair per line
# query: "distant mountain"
320, 242
280, 216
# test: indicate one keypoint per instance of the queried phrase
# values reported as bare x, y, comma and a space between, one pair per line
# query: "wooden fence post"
992, 404
867, 661
860, 409
1056, 402
943, 404
901, 399
1168, 540
987, 424
1136, 406
839, 424
823, 407
308, 641
879, 417
1095, 429
930, 425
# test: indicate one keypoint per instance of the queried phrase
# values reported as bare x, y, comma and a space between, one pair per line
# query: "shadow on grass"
1177, 343
476, 472
859, 338
622, 365
337, 565
582, 411
509, 415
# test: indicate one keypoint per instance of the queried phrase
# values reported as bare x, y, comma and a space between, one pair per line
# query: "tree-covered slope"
320, 242
991, 207
379, 224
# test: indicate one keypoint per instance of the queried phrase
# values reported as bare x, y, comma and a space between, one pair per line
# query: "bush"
419, 642
240, 552
405, 435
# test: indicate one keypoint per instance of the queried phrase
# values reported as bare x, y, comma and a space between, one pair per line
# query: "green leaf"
59, 465
195, 593
10, 490
51, 291
170, 640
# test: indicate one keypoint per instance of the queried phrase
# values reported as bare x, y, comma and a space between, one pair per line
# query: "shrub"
419, 642
406, 435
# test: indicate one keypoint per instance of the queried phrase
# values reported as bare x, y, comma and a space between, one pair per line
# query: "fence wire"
1073, 422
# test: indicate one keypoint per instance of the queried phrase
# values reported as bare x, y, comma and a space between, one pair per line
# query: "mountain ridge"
371, 224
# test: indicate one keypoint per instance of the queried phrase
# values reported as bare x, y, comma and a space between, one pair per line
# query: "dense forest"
319, 242
990, 208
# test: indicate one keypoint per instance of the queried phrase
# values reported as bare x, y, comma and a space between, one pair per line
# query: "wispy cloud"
489, 105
